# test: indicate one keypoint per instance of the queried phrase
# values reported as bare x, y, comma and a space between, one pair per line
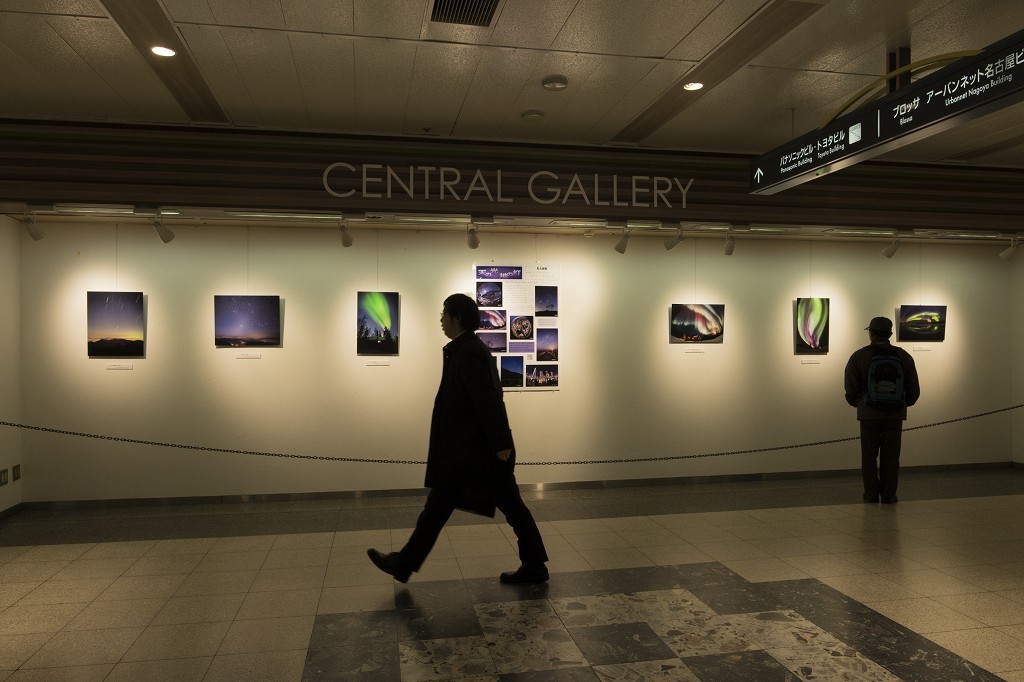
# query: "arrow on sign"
758, 174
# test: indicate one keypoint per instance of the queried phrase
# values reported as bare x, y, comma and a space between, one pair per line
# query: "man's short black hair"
464, 310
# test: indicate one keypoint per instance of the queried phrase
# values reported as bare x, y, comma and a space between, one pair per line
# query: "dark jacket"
469, 425
856, 380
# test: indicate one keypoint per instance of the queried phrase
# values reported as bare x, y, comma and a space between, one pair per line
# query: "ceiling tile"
501, 75
390, 18
383, 75
442, 74
531, 23
649, 28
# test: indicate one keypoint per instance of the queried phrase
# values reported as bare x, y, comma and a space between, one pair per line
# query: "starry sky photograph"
546, 301
241, 321
116, 323
547, 344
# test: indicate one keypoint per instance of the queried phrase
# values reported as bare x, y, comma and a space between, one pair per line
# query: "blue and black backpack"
886, 383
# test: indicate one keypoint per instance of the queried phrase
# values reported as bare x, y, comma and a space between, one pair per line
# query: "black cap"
880, 324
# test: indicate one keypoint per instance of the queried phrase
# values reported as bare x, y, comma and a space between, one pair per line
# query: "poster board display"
519, 322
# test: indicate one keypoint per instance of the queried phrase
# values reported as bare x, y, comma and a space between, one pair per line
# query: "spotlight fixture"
730, 245
472, 238
164, 232
33, 230
673, 242
693, 85
162, 51
624, 242
890, 250
346, 236
1010, 251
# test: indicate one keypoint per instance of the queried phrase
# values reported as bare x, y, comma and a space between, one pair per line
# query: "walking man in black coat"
881, 395
470, 450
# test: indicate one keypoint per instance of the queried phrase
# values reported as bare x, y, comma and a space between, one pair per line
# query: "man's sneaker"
525, 575
390, 564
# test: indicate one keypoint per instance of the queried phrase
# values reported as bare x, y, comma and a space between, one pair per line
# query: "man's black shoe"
890, 500
871, 500
525, 575
390, 564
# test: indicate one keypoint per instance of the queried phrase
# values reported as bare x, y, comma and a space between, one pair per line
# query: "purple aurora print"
696, 323
810, 326
493, 319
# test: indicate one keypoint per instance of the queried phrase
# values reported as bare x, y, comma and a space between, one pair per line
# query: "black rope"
369, 460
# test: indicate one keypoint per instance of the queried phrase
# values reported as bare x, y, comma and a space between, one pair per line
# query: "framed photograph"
521, 327
810, 326
116, 324
696, 323
512, 371
547, 344
489, 294
542, 376
377, 323
922, 323
493, 319
545, 301
497, 342
246, 321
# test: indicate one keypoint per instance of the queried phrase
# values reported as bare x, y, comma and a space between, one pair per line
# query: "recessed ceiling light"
693, 86
555, 82
163, 51
532, 115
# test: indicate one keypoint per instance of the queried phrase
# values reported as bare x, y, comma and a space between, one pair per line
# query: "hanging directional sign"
961, 91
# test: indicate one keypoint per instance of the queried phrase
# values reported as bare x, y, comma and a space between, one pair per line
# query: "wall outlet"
3, 476
16, 472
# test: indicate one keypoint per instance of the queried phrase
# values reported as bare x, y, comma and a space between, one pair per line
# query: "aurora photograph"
512, 371
246, 321
116, 324
377, 323
545, 301
493, 319
696, 323
922, 323
810, 326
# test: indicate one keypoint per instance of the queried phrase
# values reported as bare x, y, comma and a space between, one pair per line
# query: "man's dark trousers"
880, 439
440, 505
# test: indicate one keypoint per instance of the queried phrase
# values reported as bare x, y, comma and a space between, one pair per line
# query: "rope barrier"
369, 460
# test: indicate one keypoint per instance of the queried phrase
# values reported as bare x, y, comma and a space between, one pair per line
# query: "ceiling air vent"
465, 12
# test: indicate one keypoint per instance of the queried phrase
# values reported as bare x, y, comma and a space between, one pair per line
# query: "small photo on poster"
246, 321
493, 319
546, 301
497, 342
521, 327
696, 323
116, 324
547, 344
377, 323
922, 323
810, 326
512, 371
541, 376
489, 294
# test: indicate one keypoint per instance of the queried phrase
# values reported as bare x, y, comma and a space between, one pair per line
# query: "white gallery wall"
10, 352
625, 391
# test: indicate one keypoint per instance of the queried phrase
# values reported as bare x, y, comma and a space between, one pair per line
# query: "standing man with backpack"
881, 382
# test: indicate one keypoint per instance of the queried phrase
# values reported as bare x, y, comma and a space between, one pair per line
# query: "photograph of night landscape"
545, 301
246, 321
922, 323
547, 344
493, 319
488, 294
810, 326
539, 376
496, 341
521, 327
696, 323
116, 324
377, 323
512, 371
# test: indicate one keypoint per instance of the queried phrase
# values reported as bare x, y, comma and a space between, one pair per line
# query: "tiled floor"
789, 579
